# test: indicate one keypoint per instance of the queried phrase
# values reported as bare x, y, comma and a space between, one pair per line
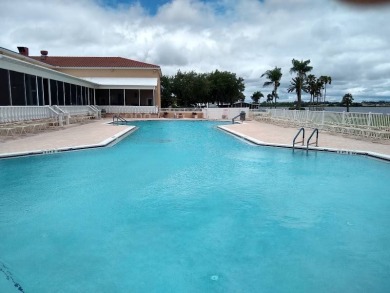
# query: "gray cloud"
247, 37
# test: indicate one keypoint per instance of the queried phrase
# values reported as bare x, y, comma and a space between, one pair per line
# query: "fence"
181, 110
78, 110
223, 113
129, 109
10, 114
370, 125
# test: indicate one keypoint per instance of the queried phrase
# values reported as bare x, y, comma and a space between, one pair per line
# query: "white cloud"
246, 37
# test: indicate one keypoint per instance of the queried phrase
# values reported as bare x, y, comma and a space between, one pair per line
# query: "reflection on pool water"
180, 206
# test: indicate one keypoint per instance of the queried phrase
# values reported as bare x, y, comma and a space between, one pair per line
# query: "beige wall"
118, 73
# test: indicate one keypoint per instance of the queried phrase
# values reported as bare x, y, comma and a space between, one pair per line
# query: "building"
69, 81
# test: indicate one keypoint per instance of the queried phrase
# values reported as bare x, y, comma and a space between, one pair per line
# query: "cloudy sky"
349, 43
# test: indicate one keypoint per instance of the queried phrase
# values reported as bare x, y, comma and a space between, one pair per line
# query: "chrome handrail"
308, 141
296, 136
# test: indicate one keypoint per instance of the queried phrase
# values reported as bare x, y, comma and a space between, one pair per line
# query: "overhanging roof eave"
23, 66
125, 87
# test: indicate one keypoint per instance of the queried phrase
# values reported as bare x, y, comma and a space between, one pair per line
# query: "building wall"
118, 72
30, 69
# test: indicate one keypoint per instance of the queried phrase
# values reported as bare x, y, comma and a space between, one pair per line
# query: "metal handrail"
308, 141
296, 136
235, 118
118, 117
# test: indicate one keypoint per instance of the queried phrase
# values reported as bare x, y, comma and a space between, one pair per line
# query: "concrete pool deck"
272, 135
75, 136
99, 133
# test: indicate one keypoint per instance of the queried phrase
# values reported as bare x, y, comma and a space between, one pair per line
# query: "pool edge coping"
108, 142
324, 149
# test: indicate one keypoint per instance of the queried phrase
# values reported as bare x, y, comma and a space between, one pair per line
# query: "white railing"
79, 110
129, 109
361, 125
180, 109
223, 113
23, 113
325, 117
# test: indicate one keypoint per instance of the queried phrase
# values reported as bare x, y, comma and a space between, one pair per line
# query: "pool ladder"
302, 130
118, 119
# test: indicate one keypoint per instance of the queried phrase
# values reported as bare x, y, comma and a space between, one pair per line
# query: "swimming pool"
180, 206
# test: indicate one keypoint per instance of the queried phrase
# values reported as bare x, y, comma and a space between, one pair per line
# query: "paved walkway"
98, 133
92, 134
269, 134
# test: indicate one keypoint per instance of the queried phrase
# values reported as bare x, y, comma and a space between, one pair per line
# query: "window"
4, 88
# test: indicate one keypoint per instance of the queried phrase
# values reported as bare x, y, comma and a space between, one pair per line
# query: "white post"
124, 97
63, 91
9, 88
139, 97
70, 93
36, 88
43, 93
58, 102
369, 119
94, 97
25, 90
49, 91
307, 116
109, 97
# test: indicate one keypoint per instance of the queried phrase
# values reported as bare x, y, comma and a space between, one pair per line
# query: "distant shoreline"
360, 109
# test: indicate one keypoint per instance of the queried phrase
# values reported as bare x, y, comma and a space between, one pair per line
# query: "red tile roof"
88, 62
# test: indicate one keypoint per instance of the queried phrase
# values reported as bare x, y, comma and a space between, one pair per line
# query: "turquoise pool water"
183, 207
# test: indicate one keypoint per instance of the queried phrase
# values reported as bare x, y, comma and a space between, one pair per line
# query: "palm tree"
319, 86
325, 80
347, 100
300, 68
297, 84
273, 76
270, 97
257, 96
311, 84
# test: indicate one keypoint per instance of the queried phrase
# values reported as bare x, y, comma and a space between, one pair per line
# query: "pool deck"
272, 135
73, 137
99, 134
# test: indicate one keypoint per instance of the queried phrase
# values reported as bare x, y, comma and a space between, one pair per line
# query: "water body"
180, 206
380, 110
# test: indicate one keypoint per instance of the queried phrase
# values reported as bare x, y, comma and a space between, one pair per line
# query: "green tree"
347, 100
270, 98
184, 88
189, 89
301, 68
274, 76
202, 88
311, 81
225, 87
167, 97
325, 80
314, 87
318, 89
298, 84
256, 96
